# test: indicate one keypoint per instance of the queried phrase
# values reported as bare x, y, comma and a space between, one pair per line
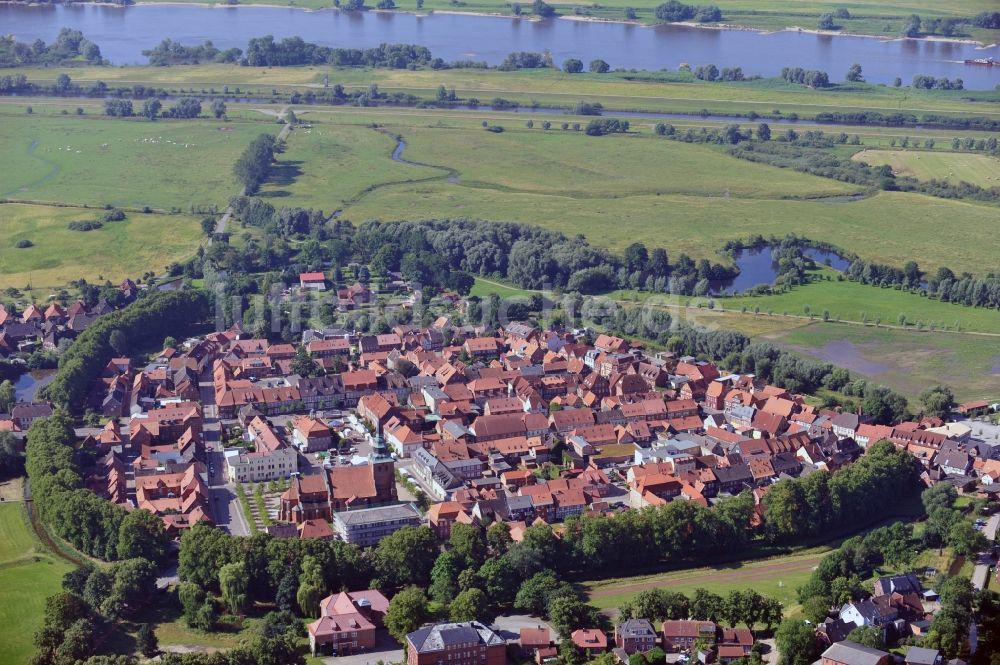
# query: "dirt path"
220, 226
749, 573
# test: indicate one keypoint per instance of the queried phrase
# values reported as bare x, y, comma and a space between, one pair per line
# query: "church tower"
384, 471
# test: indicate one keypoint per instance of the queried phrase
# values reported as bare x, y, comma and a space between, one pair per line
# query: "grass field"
28, 575
96, 160
908, 361
777, 578
328, 165
888, 227
955, 167
852, 301
142, 242
568, 164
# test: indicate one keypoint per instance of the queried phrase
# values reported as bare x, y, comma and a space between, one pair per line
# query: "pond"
758, 266
29, 383
123, 33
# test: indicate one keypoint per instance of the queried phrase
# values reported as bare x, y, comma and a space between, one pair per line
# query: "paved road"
990, 530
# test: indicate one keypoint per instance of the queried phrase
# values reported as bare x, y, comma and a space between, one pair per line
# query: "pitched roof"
441, 636
852, 653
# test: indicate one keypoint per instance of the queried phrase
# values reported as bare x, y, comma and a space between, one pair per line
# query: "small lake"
758, 266
123, 33
29, 383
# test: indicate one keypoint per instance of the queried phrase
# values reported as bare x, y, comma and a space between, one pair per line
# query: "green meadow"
853, 301
329, 165
776, 578
59, 255
95, 160
690, 198
29, 573
955, 167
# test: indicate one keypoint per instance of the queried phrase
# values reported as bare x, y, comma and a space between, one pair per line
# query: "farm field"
954, 167
327, 165
28, 575
908, 361
852, 301
119, 249
95, 160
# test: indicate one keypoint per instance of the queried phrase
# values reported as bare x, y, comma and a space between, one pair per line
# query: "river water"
123, 33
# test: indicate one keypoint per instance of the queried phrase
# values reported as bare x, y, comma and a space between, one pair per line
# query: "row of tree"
144, 322
94, 526
290, 51
964, 289
254, 163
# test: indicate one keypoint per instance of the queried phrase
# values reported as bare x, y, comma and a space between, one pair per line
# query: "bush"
607, 126
24, 244
85, 225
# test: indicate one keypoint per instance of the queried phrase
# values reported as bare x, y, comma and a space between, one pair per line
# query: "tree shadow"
284, 173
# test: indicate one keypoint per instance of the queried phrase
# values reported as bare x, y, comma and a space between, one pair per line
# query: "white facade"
244, 467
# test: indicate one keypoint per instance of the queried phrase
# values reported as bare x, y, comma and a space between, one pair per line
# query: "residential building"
271, 458
313, 281
590, 641
347, 623
680, 635
635, 636
466, 643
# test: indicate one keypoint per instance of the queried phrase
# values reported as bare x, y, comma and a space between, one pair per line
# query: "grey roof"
922, 656
900, 583
742, 412
733, 473
852, 653
374, 515
442, 636
636, 628
846, 420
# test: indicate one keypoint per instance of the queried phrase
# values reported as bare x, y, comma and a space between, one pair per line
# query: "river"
123, 33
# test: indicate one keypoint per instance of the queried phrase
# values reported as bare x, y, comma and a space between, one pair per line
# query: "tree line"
907, 120
94, 526
809, 153
144, 322
254, 163
945, 285
168, 52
